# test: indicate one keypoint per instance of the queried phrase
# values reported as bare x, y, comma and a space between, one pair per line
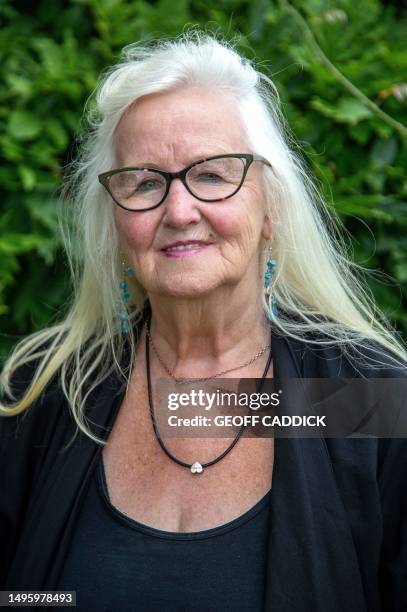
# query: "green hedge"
339, 69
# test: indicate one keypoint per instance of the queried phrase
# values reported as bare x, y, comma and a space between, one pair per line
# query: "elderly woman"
203, 255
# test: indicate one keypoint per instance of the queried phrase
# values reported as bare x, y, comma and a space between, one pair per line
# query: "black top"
117, 563
337, 537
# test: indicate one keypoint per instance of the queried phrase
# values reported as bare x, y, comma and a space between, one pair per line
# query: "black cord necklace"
196, 467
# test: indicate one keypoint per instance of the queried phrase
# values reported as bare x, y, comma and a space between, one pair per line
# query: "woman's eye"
209, 177
147, 185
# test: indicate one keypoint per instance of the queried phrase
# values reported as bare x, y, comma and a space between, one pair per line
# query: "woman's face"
169, 131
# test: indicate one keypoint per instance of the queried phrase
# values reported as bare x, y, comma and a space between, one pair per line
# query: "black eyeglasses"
209, 180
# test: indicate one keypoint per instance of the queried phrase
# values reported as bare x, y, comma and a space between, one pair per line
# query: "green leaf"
400, 270
19, 85
44, 210
13, 243
349, 110
57, 132
51, 56
28, 177
23, 125
384, 152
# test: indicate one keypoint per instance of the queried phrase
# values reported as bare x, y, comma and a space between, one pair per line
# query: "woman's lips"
185, 249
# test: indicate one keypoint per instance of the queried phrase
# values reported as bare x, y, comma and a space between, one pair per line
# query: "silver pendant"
196, 468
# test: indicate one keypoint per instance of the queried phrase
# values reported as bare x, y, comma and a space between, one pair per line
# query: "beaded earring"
125, 295
268, 277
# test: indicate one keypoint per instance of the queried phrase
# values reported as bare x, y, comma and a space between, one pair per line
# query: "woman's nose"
181, 207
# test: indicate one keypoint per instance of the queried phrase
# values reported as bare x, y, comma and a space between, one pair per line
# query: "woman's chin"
185, 288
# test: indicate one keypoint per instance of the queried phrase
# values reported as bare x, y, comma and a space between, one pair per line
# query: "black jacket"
338, 528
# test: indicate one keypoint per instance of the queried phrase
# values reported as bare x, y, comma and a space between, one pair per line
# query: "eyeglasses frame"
181, 174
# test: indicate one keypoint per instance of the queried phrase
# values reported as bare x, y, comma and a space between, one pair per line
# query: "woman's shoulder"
320, 355
37, 416
364, 359
50, 416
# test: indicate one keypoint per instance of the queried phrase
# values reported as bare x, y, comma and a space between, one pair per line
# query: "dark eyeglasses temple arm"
262, 159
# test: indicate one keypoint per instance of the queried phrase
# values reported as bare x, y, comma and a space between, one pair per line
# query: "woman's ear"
266, 231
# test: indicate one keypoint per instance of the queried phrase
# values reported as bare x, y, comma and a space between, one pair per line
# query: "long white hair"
320, 294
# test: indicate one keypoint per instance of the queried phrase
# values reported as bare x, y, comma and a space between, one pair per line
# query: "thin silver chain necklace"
181, 381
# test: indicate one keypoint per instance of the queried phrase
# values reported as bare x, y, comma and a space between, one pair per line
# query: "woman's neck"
204, 335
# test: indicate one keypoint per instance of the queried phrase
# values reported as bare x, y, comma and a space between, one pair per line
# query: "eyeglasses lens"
136, 189
216, 178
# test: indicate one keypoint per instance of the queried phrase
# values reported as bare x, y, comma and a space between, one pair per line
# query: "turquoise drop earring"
268, 277
125, 295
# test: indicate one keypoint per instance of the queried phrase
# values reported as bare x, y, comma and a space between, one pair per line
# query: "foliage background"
52, 52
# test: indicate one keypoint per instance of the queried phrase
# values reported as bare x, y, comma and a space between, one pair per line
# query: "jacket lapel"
312, 562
